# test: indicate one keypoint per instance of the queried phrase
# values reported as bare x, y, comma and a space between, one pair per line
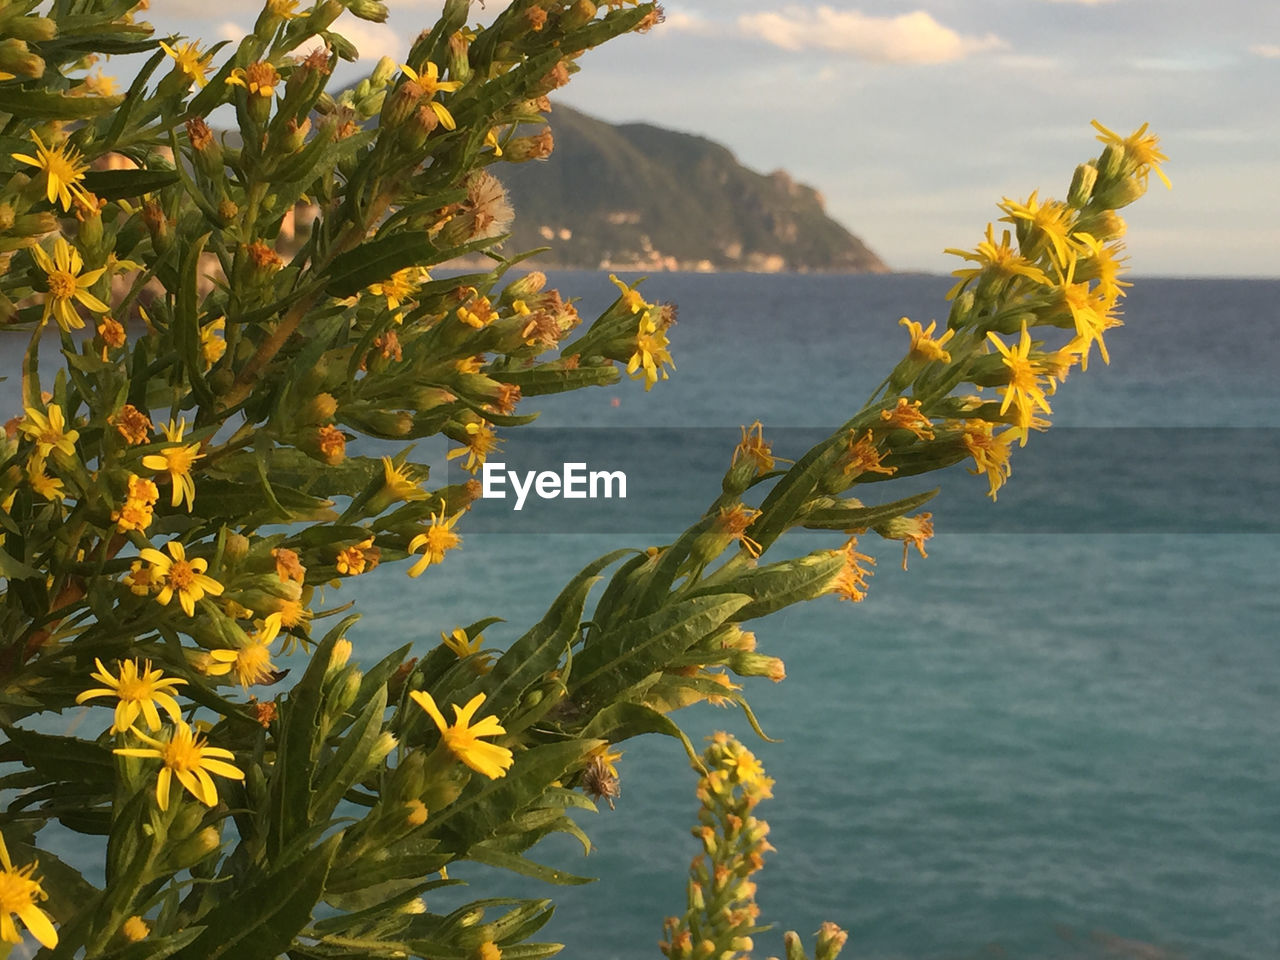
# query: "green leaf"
11, 568
791, 493
39, 105
64, 758
479, 814
850, 517
622, 721
377, 260
157, 948
625, 655
488, 855
540, 650
262, 920
779, 585
352, 759
543, 380
119, 184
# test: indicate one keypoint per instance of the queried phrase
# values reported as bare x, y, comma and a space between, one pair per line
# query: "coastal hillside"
641, 197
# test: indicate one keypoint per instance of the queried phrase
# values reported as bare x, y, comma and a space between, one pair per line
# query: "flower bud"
758, 665
340, 655
16, 58
578, 15
831, 940
1082, 182
32, 28
371, 10
522, 149
383, 72
459, 56
295, 134
525, 287
236, 548
194, 849
322, 17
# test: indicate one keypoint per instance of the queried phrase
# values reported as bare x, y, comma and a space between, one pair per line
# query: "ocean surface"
1054, 745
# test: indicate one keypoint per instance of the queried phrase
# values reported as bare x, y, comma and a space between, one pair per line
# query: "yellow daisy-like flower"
67, 284
491, 140
998, 257
190, 60
213, 342
139, 690
177, 462
464, 647
176, 574
755, 448
258, 78
400, 287
923, 346
187, 757
438, 539
990, 452
51, 488
1142, 147
400, 483
1087, 312
1023, 392
1052, 218
431, 84
19, 894
462, 737
631, 299
651, 354
252, 664
63, 166
481, 441
49, 432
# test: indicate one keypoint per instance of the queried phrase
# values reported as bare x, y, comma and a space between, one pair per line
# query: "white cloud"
1269, 50
907, 38
680, 21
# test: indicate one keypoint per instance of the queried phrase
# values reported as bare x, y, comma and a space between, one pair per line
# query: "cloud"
1269, 50
907, 38
680, 21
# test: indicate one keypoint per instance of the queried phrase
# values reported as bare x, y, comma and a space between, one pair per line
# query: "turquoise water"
1050, 746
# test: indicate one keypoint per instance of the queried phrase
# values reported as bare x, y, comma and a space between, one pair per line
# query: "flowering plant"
234, 316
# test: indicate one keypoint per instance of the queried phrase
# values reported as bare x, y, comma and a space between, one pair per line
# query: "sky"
913, 119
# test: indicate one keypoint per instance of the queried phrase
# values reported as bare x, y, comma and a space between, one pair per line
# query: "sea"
1052, 739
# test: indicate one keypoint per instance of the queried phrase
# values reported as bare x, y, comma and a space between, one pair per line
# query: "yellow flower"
132, 424
478, 312
1052, 218
438, 539
1023, 392
177, 462
851, 582
400, 287
651, 353
137, 512
864, 456
481, 441
907, 416
491, 140
998, 257
212, 341
63, 167
910, 530
135, 929
1141, 147
190, 59
353, 561
631, 299
258, 78
49, 432
251, 663
463, 647
990, 452
431, 84
177, 574
289, 567
1084, 307
734, 521
186, 757
462, 737
753, 447
51, 488
19, 894
67, 284
923, 346
140, 690
400, 483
